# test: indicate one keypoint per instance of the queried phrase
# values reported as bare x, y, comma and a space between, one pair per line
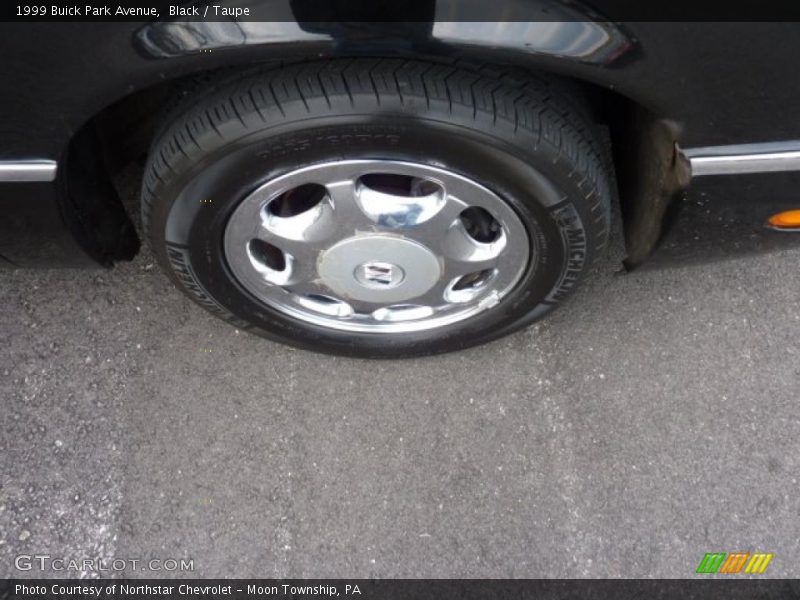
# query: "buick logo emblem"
376, 274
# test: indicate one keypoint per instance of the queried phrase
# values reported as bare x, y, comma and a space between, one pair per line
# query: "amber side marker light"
788, 220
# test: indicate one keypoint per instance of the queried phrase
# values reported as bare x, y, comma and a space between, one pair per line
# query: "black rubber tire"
523, 139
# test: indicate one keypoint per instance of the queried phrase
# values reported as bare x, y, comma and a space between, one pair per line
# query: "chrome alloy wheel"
376, 246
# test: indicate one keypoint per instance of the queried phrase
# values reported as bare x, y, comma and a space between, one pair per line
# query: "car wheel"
377, 208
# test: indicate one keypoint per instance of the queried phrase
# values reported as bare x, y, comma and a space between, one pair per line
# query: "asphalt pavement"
651, 419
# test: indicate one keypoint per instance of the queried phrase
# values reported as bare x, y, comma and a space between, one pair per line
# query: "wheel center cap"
385, 269
379, 275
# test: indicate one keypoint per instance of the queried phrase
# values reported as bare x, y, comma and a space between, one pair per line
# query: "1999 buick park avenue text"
383, 189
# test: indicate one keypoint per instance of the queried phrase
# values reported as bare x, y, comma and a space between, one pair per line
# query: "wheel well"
647, 168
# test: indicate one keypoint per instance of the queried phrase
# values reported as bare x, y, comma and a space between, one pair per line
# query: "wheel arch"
125, 127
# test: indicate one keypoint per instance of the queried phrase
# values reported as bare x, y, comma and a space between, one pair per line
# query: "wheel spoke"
350, 218
299, 250
434, 297
306, 287
361, 306
433, 231
455, 267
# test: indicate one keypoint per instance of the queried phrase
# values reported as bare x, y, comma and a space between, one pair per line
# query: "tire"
523, 142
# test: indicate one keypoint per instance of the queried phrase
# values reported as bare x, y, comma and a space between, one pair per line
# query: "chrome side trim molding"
770, 157
27, 170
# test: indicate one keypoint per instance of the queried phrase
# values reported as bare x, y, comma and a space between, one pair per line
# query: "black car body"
710, 85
